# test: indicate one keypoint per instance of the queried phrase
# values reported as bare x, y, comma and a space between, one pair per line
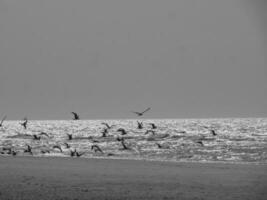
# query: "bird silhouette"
4, 118
104, 132
139, 125
28, 150
69, 136
96, 148
44, 133
200, 142
58, 147
153, 126
67, 145
141, 113
79, 154
45, 151
75, 116
159, 145
122, 130
124, 145
213, 132
24, 124
35, 137
107, 125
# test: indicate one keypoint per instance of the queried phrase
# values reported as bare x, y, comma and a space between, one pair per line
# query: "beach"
62, 178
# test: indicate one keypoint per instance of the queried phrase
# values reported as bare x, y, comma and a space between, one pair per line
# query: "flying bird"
122, 130
4, 118
67, 145
58, 147
139, 125
153, 126
141, 113
200, 142
28, 150
96, 148
35, 137
107, 125
69, 136
44, 133
104, 132
213, 132
75, 116
24, 124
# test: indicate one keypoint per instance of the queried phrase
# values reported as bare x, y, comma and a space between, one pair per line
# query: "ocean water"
237, 140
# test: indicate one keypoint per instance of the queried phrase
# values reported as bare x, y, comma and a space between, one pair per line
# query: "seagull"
104, 132
96, 148
122, 130
67, 145
107, 125
159, 145
153, 126
35, 137
124, 145
141, 113
24, 124
4, 118
79, 154
28, 150
213, 132
200, 142
44, 133
139, 125
75, 116
69, 136
58, 147
45, 151
72, 153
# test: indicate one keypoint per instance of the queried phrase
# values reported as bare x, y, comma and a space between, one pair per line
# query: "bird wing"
138, 113
146, 110
4, 118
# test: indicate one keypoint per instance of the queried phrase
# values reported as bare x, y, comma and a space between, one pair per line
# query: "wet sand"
79, 178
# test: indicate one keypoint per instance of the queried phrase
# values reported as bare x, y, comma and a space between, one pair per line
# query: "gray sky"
104, 58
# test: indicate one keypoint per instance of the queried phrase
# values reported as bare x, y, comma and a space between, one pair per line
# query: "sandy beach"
78, 178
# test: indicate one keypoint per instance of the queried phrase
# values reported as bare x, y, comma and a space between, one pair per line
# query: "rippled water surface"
237, 140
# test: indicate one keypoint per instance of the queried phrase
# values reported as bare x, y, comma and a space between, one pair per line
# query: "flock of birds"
94, 147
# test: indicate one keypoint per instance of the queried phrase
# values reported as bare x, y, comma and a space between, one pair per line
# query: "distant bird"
75, 116
141, 113
139, 125
213, 132
107, 125
200, 142
45, 151
69, 136
72, 153
67, 145
104, 132
124, 145
96, 148
153, 126
35, 137
150, 131
24, 124
159, 145
44, 133
122, 130
58, 147
4, 118
28, 150
79, 154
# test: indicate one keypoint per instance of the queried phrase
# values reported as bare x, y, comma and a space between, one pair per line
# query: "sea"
228, 140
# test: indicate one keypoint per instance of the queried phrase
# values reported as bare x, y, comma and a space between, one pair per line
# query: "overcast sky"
104, 58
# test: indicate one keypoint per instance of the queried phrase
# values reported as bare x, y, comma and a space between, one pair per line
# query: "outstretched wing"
146, 110
4, 118
138, 113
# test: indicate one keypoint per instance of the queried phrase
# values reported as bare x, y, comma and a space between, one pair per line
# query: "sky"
106, 58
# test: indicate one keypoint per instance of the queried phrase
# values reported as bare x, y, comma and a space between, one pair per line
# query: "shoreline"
66, 178
141, 159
